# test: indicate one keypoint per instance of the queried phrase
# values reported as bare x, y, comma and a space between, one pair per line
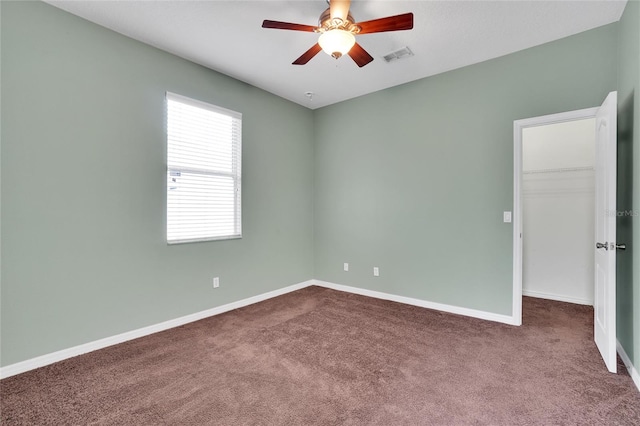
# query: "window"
203, 171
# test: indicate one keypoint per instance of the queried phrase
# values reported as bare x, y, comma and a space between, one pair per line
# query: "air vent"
401, 53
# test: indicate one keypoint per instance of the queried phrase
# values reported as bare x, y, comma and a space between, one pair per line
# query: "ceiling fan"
338, 29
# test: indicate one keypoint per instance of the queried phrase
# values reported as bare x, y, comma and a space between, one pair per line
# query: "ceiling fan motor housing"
325, 23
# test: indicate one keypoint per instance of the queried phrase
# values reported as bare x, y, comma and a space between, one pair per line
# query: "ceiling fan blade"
359, 55
287, 26
306, 56
339, 9
390, 23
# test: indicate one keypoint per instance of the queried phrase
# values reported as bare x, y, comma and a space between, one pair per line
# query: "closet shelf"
559, 170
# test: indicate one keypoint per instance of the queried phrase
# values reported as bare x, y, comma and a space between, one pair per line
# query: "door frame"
518, 127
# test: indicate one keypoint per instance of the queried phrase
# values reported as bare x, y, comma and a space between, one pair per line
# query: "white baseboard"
506, 319
41, 361
557, 297
627, 362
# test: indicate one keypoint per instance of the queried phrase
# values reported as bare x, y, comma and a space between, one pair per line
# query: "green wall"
83, 187
628, 261
414, 179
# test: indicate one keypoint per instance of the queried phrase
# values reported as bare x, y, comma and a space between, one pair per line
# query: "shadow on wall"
624, 223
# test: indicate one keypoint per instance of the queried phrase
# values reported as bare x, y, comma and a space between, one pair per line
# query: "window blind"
203, 171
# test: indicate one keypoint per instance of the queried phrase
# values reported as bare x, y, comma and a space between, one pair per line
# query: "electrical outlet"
216, 282
376, 271
346, 267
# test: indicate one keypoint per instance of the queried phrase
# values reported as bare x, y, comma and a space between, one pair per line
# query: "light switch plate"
506, 217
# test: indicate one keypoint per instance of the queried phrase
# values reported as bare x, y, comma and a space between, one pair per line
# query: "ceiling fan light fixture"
338, 29
336, 42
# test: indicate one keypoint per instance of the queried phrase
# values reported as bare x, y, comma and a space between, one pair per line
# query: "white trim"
418, 302
635, 376
41, 361
516, 310
561, 117
558, 297
518, 126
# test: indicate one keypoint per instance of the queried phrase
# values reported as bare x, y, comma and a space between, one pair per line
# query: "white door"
605, 257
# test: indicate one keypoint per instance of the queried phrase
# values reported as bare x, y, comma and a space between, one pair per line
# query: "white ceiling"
226, 36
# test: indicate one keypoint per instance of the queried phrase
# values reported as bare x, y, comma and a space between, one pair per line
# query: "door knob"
621, 246
602, 245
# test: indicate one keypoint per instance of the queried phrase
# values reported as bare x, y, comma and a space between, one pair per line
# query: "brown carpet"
318, 356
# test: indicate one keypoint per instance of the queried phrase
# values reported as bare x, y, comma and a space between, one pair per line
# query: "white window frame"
235, 174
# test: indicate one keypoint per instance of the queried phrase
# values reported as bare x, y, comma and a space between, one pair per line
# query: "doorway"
605, 246
558, 215
543, 174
